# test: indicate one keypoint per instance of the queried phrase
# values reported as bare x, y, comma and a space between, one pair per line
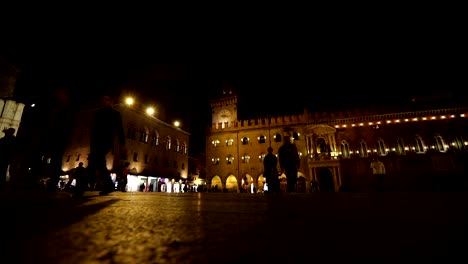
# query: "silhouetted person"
123, 180
378, 172
81, 181
106, 129
270, 171
8, 148
289, 161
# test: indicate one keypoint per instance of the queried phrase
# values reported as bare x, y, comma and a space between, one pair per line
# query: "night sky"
265, 84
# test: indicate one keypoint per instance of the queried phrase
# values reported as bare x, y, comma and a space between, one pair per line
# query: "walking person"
107, 128
8, 148
288, 157
270, 171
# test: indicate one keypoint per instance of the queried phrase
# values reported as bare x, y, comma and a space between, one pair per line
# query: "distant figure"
122, 177
8, 148
107, 128
270, 171
289, 161
378, 171
81, 179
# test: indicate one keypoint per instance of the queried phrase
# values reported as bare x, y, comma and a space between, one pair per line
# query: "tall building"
11, 110
157, 151
423, 147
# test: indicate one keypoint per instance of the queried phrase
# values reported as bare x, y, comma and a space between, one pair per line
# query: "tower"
224, 109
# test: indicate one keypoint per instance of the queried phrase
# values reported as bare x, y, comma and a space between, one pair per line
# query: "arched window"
167, 143
229, 142
215, 143
261, 139
322, 146
215, 160
155, 139
229, 159
144, 136
400, 148
246, 158
419, 145
184, 148
245, 141
345, 149
278, 138
440, 143
363, 151
296, 136
261, 156
176, 145
381, 148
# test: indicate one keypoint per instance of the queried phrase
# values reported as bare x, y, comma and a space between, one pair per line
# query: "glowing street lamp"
176, 123
150, 110
129, 101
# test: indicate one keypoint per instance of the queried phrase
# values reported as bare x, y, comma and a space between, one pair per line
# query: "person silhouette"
106, 129
8, 148
288, 157
270, 171
81, 182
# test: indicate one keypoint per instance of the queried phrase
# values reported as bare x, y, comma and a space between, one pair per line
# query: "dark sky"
266, 81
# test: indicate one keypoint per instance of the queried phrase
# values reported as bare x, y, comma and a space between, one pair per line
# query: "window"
245, 141
131, 133
400, 148
381, 149
135, 156
363, 151
296, 136
78, 157
278, 138
146, 158
167, 143
246, 158
215, 143
440, 143
261, 156
176, 145
144, 136
68, 158
184, 148
261, 139
229, 142
215, 160
230, 159
419, 145
345, 149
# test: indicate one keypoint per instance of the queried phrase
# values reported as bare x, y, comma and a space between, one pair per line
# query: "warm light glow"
176, 123
406, 119
388, 121
150, 110
415, 119
443, 117
337, 126
462, 115
129, 101
344, 125
424, 118
433, 117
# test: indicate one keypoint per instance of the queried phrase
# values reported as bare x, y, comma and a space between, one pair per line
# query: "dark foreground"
234, 228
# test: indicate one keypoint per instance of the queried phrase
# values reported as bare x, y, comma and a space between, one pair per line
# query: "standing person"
81, 180
270, 171
106, 129
123, 180
378, 171
8, 148
289, 161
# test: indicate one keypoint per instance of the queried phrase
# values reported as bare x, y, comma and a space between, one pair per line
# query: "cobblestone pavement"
233, 228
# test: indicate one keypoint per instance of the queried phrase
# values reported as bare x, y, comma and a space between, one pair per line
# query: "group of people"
289, 162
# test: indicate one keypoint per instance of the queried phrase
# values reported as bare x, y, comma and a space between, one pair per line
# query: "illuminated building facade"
422, 149
157, 151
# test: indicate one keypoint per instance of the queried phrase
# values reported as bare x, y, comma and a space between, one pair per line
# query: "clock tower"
224, 109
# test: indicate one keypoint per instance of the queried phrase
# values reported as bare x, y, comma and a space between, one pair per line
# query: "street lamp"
150, 111
176, 123
129, 101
